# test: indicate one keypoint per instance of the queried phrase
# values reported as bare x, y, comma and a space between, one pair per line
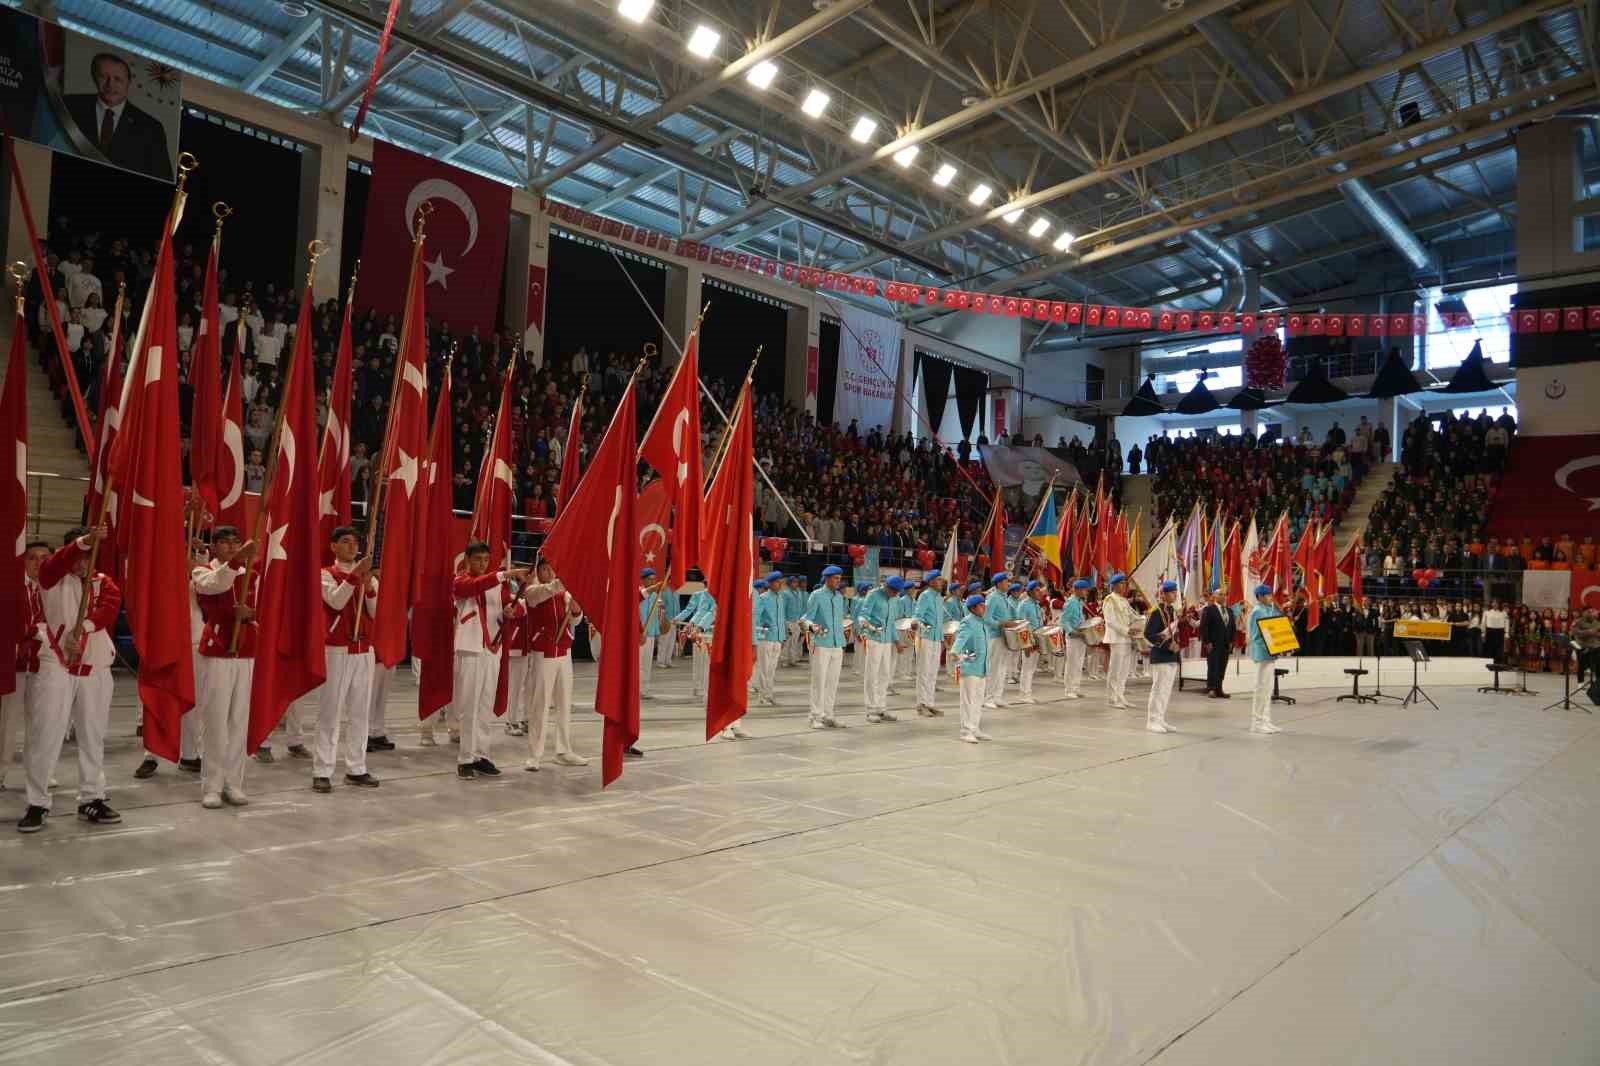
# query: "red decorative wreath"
1264, 363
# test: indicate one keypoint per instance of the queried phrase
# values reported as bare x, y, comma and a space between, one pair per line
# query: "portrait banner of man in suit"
72, 93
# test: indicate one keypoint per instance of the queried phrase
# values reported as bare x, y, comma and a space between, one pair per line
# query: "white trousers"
1260, 699
347, 694
702, 669
1117, 672
646, 660
377, 718
552, 685
1162, 677
825, 664
876, 675
664, 646
767, 653
225, 703
1028, 666
791, 643
476, 675
519, 686
300, 711
1076, 650
927, 671
905, 662
994, 685
972, 692
446, 714
58, 698
13, 719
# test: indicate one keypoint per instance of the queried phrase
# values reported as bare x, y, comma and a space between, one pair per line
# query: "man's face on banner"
110, 80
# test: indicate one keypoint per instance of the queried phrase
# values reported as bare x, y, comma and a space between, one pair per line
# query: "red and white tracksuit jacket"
61, 593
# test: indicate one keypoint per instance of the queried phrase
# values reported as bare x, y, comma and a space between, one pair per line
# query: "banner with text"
869, 367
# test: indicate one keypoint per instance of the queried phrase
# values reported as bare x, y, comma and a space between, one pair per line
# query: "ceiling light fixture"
816, 102
703, 42
1040, 225
762, 73
980, 196
905, 155
1012, 216
635, 10
1063, 242
864, 129
944, 176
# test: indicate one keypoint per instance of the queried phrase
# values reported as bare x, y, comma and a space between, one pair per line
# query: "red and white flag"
147, 470
333, 458
205, 375
290, 660
14, 507
606, 582
727, 556
570, 457
230, 457
1350, 564
492, 506
433, 606
672, 446
400, 467
109, 560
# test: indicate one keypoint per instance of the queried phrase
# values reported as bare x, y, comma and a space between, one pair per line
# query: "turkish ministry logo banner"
465, 254
1551, 486
869, 366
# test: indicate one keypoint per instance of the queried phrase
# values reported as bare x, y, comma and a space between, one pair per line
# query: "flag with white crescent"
492, 505
230, 457
672, 446
333, 458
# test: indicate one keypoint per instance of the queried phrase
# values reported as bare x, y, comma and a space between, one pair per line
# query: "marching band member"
229, 648
681, 622
1261, 698
667, 640
651, 606
74, 680
482, 597
15, 705
971, 650
769, 631
1161, 630
702, 627
349, 601
855, 596
1120, 622
905, 655
1077, 625
552, 613
826, 610
876, 619
997, 611
793, 607
930, 617
1030, 611
955, 609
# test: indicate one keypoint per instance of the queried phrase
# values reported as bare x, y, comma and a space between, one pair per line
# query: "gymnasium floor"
1374, 885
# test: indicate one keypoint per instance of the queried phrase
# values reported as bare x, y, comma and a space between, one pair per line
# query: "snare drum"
905, 632
951, 628
1055, 637
1017, 635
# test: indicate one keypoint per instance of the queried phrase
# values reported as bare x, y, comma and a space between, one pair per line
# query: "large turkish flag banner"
466, 251
1585, 588
1551, 486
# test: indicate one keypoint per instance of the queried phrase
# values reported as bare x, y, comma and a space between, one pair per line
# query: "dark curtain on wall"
590, 303
736, 326
827, 369
936, 374
971, 385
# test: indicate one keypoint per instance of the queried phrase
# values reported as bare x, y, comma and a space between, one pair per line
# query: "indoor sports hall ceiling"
1133, 151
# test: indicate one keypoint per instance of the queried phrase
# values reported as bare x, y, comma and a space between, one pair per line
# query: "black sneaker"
32, 820
465, 771
486, 768
146, 769
321, 784
632, 753
380, 744
361, 780
299, 751
263, 754
191, 765
98, 812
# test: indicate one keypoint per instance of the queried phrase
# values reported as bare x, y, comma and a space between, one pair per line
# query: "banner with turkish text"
869, 367
466, 250
1547, 588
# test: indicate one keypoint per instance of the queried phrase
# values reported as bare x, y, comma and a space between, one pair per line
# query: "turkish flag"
672, 446
230, 457
1247, 322
1399, 325
333, 458
1111, 318
1233, 567
398, 471
1585, 588
1164, 321
205, 375
727, 553
1355, 326
433, 604
1419, 325
1592, 318
1572, 319
595, 552
1551, 486
289, 642
1527, 322
109, 560
655, 512
1378, 326
1074, 314
533, 330
466, 236
1058, 311
492, 505
1041, 310
1350, 564
1092, 315
1225, 321
1206, 321
14, 612
1316, 326
147, 468
1185, 321
1335, 325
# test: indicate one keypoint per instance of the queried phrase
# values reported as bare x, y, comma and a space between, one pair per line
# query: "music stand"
1565, 702
1419, 655
1377, 692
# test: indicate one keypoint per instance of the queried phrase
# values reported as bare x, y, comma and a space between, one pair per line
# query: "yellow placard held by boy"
1278, 634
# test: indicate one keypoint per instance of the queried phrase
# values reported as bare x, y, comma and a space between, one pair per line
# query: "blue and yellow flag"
1218, 578
1045, 533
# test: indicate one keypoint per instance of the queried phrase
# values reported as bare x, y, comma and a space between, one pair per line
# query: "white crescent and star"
405, 471
1566, 472
450, 192
680, 424
233, 441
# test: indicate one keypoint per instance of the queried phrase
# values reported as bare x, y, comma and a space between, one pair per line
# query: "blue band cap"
775, 576
975, 601
647, 572
999, 577
1083, 583
831, 571
1169, 586
760, 583
1117, 579
1263, 590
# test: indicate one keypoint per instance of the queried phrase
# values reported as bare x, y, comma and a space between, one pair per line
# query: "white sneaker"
819, 723
737, 732
1072, 696
1265, 727
531, 765
924, 711
990, 705
886, 716
833, 723
1002, 703
967, 738
727, 734
237, 799
981, 735
874, 717
1156, 727
211, 801
426, 739
567, 758
1027, 699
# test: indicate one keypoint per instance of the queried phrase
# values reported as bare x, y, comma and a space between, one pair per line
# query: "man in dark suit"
1216, 639
125, 135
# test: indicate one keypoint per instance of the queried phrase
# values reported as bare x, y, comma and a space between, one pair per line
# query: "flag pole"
186, 163
314, 250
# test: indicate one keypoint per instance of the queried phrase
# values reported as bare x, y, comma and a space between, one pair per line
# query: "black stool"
1277, 697
1495, 688
1355, 692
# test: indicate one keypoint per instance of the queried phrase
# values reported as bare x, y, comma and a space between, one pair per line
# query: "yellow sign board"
1278, 633
1418, 630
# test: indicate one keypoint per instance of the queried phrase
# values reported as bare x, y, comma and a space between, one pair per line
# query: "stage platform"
1374, 885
